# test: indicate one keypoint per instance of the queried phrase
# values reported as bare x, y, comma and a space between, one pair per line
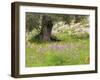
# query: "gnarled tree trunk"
47, 26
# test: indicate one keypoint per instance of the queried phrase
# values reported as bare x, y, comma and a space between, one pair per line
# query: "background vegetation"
71, 46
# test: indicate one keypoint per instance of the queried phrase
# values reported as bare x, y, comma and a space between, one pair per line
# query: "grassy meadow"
71, 50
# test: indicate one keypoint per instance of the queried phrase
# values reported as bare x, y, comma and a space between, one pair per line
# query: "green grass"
71, 50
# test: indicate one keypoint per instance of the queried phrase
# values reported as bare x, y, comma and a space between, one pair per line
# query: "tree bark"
47, 26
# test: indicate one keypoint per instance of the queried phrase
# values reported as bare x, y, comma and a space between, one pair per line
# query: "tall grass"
71, 50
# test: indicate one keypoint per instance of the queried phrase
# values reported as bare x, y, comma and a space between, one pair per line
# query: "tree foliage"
33, 20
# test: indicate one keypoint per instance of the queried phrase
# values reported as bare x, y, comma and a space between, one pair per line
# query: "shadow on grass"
38, 40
